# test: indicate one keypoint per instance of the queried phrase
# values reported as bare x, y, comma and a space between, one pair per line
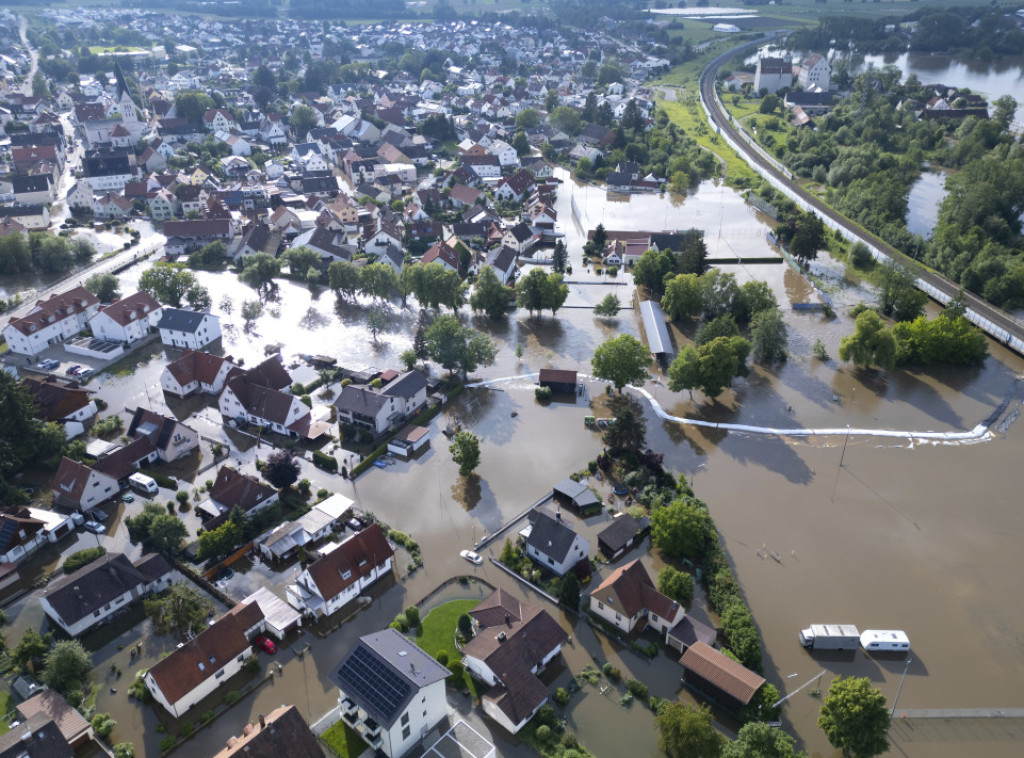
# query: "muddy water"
918, 537
923, 203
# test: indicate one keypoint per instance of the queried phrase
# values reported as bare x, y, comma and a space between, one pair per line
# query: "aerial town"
488, 386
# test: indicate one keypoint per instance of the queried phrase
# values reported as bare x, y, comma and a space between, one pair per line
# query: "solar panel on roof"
7, 531
374, 682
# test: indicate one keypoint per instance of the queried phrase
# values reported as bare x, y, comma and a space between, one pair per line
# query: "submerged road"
995, 322
980, 433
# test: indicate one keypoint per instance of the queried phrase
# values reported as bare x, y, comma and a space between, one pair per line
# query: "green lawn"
437, 630
694, 123
99, 49
343, 742
6, 707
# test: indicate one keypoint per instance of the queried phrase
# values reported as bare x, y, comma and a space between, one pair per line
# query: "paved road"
995, 322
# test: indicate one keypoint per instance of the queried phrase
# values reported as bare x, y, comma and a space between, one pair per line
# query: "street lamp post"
900, 688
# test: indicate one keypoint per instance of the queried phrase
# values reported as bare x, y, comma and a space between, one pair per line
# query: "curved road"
995, 322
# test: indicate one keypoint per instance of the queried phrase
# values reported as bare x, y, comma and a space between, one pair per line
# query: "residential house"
282, 732
384, 409
340, 576
506, 154
331, 246
61, 402
390, 692
520, 238
70, 725
37, 736
285, 540
31, 217
80, 196
258, 238
191, 234
21, 534
202, 664
127, 320
188, 329
460, 195
553, 544
503, 261
621, 534
815, 73
80, 487
387, 232
443, 253
569, 492
716, 674
163, 206
122, 462
773, 74
515, 188
218, 120
233, 489
33, 190
59, 317
196, 371
95, 593
171, 438
245, 398
628, 600
513, 643
111, 205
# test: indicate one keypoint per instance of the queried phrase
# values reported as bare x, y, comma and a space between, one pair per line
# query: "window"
405, 718
406, 731
618, 617
551, 561
96, 614
600, 605
219, 674
654, 617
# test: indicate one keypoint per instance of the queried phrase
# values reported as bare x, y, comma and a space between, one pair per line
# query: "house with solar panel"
391, 692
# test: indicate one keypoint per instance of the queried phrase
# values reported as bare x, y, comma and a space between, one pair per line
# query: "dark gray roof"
405, 385
36, 737
358, 398
658, 338
77, 595
580, 494
550, 535
181, 320
384, 672
36, 183
620, 531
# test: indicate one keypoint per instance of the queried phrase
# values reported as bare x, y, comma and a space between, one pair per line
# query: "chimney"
263, 722
508, 618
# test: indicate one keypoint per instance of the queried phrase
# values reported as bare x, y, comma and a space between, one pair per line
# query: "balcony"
348, 706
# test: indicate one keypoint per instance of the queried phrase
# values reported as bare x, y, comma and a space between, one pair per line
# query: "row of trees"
41, 252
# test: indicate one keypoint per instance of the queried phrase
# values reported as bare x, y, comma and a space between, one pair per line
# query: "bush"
637, 688
232, 697
412, 616
544, 734
124, 750
458, 672
207, 716
543, 394
304, 486
181, 496
442, 657
138, 689
103, 724
75, 561
325, 462
562, 696
465, 625
187, 728
860, 255
166, 743
401, 623
611, 672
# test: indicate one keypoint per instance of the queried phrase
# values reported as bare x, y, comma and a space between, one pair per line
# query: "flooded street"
908, 535
923, 203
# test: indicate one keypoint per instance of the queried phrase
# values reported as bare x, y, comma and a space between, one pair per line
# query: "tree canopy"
465, 450
855, 718
683, 528
181, 611
490, 296
621, 360
871, 343
688, 732
454, 346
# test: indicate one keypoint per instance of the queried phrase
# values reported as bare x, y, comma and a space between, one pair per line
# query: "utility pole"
900, 688
840, 467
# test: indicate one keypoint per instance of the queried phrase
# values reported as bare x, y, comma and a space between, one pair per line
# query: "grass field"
343, 741
437, 633
100, 50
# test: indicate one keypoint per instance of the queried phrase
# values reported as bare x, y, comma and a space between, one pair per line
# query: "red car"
266, 644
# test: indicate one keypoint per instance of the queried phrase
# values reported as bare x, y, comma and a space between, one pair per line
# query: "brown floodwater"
908, 535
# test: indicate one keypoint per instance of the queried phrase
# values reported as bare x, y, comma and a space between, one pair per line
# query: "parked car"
94, 526
49, 364
99, 515
472, 557
354, 524
85, 373
73, 370
266, 644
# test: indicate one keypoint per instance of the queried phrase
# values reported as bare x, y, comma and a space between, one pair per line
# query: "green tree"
769, 103
539, 291
82, 249
651, 269
752, 298
569, 591
67, 664
199, 298
220, 541
683, 297
621, 360
566, 119
871, 343
898, 297
281, 469
168, 282
768, 337
1005, 109
31, 649
103, 724
609, 307
521, 144
719, 361
677, 585
684, 371
465, 450
759, 739
950, 338
379, 281
454, 346
156, 529
808, 238
721, 326
376, 321
854, 717
343, 278
181, 611
192, 105
528, 118
490, 296
303, 119
627, 437
683, 528
15, 255
419, 344
259, 270
558, 257
687, 732
39, 86
409, 359
103, 286
124, 750
301, 259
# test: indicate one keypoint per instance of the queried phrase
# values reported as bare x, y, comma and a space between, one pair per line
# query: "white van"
891, 640
143, 483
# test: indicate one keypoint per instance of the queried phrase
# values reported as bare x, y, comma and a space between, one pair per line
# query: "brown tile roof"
56, 399
197, 228
70, 479
441, 251
124, 461
629, 589
723, 672
203, 656
270, 373
196, 366
233, 488
282, 733
52, 704
263, 402
132, 308
22, 521
58, 305
559, 376
359, 554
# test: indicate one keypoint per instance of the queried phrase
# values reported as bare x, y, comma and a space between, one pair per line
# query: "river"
923, 537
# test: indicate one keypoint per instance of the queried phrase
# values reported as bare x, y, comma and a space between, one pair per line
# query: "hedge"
325, 462
161, 479
75, 561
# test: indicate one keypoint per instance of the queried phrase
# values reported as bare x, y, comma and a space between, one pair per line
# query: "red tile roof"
629, 590
723, 672
358, 556
132, 308
55, 308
